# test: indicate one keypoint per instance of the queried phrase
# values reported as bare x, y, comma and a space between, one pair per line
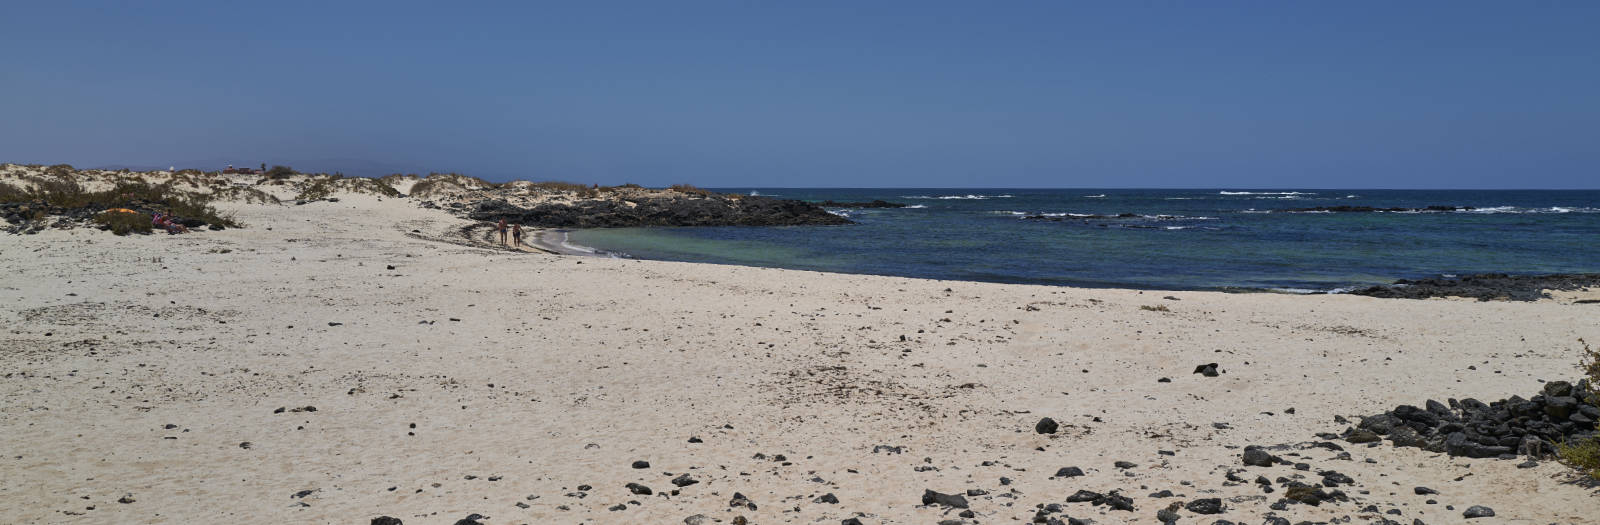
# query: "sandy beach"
340, 361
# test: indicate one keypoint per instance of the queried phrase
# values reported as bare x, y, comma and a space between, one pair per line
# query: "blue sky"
933, 94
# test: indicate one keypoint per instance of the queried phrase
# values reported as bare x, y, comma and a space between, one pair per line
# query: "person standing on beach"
516, 235
502, 229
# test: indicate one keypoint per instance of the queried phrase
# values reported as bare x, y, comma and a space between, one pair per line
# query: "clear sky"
1412, 94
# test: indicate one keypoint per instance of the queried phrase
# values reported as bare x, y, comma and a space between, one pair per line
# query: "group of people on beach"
516, 233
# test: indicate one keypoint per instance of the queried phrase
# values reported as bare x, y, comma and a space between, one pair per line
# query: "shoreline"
1501, 286
556, 241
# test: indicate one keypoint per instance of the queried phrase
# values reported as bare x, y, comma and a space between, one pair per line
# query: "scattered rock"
1478, 511
1205, 506
639, 490
1069, 472
1046, 426
929, 497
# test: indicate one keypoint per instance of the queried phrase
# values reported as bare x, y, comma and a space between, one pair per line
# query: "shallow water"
1181, 239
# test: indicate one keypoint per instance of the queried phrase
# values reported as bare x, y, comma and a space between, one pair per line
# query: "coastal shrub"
315, 191
1156, 308
59, 170
1591, 370
122, 223
11, 193
691, 190
246, 194
278, 172
1584, 455
66, 193
556, 185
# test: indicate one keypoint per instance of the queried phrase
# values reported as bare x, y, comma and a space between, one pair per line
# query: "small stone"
641, 464
1478, 511
1424, 491
683, 480
386, 520
1125, 464
826, 498
1069, 472
1207, 370
1046, 426
639, 490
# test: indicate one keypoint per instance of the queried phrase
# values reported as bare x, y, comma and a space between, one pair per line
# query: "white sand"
595, 363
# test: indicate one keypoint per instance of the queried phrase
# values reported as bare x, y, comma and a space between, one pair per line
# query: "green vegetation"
1156, 308
691, 190
123, 223
63, 192
278, 172
1584, 455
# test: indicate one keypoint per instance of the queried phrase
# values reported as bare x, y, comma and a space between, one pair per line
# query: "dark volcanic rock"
826, 498
1046, 426
1484, 287
639, 490
715, 210
641, 464
1478, 511
1069, 472
683, 480
1208, 370
385, 520
1083, 495
930, 497
1501, 429
1205, 506
1258, 457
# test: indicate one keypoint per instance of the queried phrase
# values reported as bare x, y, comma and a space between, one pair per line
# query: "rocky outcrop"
1560, 413
713, 210
1484, 287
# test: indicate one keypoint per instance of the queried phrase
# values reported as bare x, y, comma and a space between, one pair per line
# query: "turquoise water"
1180, 239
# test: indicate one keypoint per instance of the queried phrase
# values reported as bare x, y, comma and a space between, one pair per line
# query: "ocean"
1194, 239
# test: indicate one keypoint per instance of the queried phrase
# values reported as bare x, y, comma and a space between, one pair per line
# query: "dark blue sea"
1177, 239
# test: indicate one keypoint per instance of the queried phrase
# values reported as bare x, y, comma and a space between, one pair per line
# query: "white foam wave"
1100, 196
958, 197
1265, 193
916, 207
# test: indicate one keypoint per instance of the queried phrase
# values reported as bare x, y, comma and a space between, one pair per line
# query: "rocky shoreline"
1484, 287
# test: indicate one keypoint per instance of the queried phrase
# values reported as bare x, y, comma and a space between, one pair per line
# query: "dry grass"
691, 190
1156, 308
